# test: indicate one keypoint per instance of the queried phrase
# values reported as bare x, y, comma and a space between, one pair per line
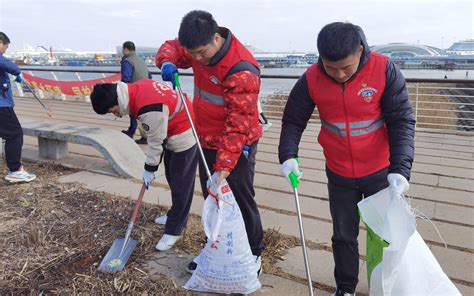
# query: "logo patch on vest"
367, 93
214, 80
145, 127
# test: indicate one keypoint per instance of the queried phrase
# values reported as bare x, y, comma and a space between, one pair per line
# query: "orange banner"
71, 88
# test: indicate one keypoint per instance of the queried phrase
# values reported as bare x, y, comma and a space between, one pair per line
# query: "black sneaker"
191, 267
141, 141
128, 133
340, 292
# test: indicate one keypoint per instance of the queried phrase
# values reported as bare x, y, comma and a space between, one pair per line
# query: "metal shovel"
122, 248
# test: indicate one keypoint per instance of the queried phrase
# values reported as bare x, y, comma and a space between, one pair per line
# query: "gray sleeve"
155, 124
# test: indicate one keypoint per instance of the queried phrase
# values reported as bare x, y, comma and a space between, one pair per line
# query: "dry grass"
57, 234
429, 107
53, 237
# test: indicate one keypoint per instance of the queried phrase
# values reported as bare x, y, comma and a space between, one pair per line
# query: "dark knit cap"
103, 97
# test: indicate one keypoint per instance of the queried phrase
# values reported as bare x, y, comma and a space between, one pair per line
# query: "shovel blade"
113, 260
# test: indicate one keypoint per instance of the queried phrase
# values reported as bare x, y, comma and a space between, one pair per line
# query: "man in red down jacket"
367, 133
226, 88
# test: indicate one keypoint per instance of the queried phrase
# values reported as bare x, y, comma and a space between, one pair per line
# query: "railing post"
87, 98
63, 97
416, 104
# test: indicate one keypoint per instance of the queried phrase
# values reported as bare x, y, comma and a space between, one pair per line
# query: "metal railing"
439, 104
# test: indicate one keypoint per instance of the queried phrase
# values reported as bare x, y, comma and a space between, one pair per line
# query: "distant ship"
300, 65
463, 48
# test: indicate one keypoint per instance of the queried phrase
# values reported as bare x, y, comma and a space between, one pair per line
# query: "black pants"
241, 182
180, 172
12, 133
344, 194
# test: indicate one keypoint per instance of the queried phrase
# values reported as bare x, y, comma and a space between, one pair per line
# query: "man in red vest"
169, 134
367, 133
226, 87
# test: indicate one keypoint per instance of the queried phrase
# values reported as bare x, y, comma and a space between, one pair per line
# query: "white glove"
398, 184
148, 177
291, 166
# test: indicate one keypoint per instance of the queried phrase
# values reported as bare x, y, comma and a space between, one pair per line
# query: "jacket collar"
225, 33
128, 55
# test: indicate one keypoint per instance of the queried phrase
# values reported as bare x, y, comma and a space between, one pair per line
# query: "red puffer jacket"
225, 100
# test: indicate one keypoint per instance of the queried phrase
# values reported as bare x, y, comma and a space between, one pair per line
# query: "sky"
272, 25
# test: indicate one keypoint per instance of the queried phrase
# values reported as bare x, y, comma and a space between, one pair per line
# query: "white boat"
300, 64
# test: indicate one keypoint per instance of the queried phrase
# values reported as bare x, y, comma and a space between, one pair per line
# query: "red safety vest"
148, 92
209, 94
353, 132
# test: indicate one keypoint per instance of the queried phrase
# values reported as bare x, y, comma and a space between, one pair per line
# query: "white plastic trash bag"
399, 262
211, 217
226, 264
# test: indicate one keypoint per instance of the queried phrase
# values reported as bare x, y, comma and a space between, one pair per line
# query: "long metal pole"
294, 180
183, 100
303, 243
42, 104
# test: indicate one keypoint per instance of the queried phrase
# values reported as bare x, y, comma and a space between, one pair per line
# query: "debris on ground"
53, 237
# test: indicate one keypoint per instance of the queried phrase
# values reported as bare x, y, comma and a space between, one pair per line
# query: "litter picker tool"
183, 100
294, 184
48, 110
122, 248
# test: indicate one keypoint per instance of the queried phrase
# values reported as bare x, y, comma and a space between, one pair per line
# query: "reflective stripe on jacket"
353, 134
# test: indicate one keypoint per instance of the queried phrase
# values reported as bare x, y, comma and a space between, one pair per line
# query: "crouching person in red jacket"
170, 137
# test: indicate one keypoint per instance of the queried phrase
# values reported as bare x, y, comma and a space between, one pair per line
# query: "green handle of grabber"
176, 79
294, 180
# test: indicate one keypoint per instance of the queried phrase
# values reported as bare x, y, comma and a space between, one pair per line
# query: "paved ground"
442, 187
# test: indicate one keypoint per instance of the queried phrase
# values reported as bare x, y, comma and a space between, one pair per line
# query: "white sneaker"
266, 126
20, 176
167, 242
161, 219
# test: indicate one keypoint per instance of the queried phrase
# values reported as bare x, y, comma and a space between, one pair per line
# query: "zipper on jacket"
348, 131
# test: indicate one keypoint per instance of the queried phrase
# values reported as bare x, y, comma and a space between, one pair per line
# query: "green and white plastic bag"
399, 263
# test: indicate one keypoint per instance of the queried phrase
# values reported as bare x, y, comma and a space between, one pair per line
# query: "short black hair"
197, 28
4, 38
338, 40
128, 45
103, 97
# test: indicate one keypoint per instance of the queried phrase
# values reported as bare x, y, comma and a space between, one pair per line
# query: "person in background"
170, 138
133, 69
226, 88
10, 128
367, 133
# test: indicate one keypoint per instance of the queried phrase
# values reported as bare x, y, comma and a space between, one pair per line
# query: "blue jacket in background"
6, 96
127, 70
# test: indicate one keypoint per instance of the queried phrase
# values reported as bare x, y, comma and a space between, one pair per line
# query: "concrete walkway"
442, 187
